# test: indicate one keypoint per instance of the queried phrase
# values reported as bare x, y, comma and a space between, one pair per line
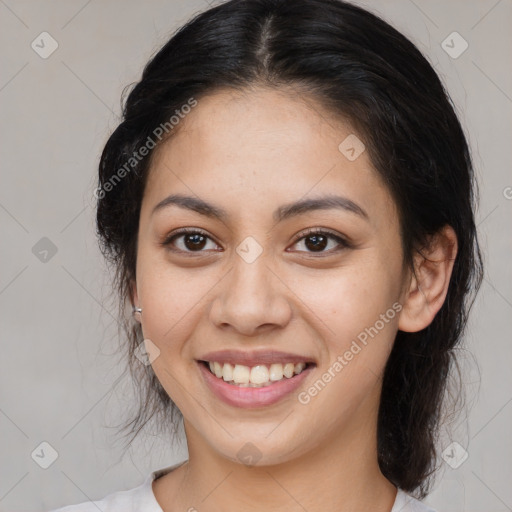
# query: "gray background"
59, 367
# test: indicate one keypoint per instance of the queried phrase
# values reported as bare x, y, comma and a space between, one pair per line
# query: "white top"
142, 499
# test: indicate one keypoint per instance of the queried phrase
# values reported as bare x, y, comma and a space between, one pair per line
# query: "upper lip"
254, 358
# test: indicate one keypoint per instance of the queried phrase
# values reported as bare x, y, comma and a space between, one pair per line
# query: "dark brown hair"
358, 67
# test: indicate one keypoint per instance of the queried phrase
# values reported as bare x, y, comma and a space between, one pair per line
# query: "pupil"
197, 241
319, 244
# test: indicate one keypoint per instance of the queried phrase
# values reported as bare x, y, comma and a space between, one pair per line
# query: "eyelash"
343, 243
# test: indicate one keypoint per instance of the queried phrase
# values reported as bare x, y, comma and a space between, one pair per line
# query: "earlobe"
134, 298
433, 266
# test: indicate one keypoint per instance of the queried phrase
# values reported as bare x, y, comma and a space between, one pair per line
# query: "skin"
250, 153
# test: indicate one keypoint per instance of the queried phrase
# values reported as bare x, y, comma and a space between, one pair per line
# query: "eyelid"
185, 231
340, 239
166, 242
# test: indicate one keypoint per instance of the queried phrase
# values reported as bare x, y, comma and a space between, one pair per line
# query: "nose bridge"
252, 295
251, 278
251, 275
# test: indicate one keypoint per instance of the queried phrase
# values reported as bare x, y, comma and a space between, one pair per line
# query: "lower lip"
249, 398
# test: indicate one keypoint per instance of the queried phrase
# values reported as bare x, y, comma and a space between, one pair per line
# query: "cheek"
171, 298
176, 302
349, 298
358, 324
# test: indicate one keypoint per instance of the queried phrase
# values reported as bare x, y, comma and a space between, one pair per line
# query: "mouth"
257, 376
253, 380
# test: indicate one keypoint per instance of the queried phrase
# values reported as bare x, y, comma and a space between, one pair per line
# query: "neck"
340, 475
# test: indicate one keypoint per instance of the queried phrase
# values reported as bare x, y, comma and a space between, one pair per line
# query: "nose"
252, 300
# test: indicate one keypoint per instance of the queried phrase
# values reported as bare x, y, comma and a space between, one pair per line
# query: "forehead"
259, 146
257, 121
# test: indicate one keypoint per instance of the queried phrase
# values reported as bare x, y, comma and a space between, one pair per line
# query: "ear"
433, 266
134, 298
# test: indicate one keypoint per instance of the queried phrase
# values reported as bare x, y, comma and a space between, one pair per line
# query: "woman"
288, 203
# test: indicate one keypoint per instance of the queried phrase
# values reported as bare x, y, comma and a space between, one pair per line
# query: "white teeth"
241, 374
288, 370
227, 372
217, 369
299, 367
257, 376
276, 372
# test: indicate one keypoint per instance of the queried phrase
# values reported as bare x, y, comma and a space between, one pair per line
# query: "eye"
188, 240
316, 240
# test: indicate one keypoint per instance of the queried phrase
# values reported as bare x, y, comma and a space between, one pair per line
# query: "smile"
256, 386
256, 376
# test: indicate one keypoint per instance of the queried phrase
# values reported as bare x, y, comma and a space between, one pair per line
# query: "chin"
257, 451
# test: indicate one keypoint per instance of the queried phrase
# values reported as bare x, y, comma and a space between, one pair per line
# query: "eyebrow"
326, 202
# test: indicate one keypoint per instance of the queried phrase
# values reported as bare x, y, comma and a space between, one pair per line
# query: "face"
248, 288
